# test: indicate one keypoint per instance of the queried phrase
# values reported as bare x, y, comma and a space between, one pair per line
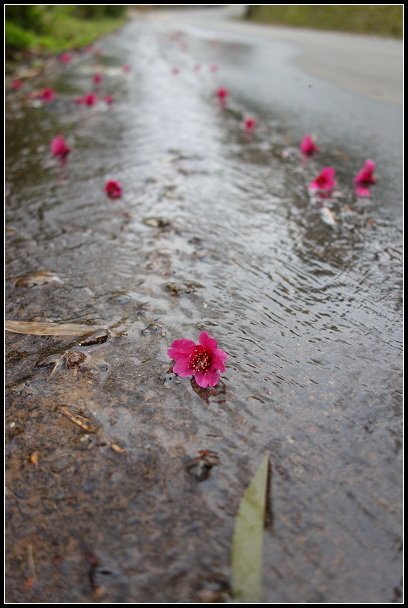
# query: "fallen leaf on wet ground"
247, 543
43, 277
98, 337
49, 329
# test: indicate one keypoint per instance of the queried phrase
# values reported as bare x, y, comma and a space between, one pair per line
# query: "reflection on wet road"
215, 232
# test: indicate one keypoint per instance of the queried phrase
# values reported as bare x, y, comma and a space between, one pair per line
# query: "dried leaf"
117, 448
247, 543
98, 337
43, 277
49, 329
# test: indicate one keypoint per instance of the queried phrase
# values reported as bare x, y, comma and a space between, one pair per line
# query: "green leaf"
247, 542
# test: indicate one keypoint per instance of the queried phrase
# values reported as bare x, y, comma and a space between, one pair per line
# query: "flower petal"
362, 192
182, 367
181, 347
206, 341
219, 359
208, 378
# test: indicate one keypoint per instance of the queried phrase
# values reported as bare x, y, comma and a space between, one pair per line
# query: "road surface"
215, 231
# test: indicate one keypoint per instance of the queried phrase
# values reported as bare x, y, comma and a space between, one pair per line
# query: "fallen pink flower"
364, 179
204, 360
47, 95
89, 99
97, 78
249, 124
222, 95
324, 182
113, 189
108, 99
16, 84
126, 68
65, 57
214, 68
307, 146
175, 71
197, 67
59, 147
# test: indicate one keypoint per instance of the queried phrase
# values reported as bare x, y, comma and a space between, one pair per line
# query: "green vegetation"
378, 20
57, 28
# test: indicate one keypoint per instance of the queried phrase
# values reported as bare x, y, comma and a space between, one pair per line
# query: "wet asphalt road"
215, 231
348, 89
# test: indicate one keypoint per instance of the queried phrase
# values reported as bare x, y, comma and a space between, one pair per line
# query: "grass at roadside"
378, 20
57, 28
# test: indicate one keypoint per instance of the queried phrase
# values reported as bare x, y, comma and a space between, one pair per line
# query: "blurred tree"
97, 11
25, 16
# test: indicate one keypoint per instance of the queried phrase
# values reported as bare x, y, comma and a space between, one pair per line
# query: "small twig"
77, 420
56, 366
31, 564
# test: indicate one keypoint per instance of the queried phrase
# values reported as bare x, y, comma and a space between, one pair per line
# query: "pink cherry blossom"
113, 189
65, 57
59, 147
89, 99
364, 179
204, 360
307, 146
222, 94
16, 84
249, 124
324, 183
97, 78
47, 95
